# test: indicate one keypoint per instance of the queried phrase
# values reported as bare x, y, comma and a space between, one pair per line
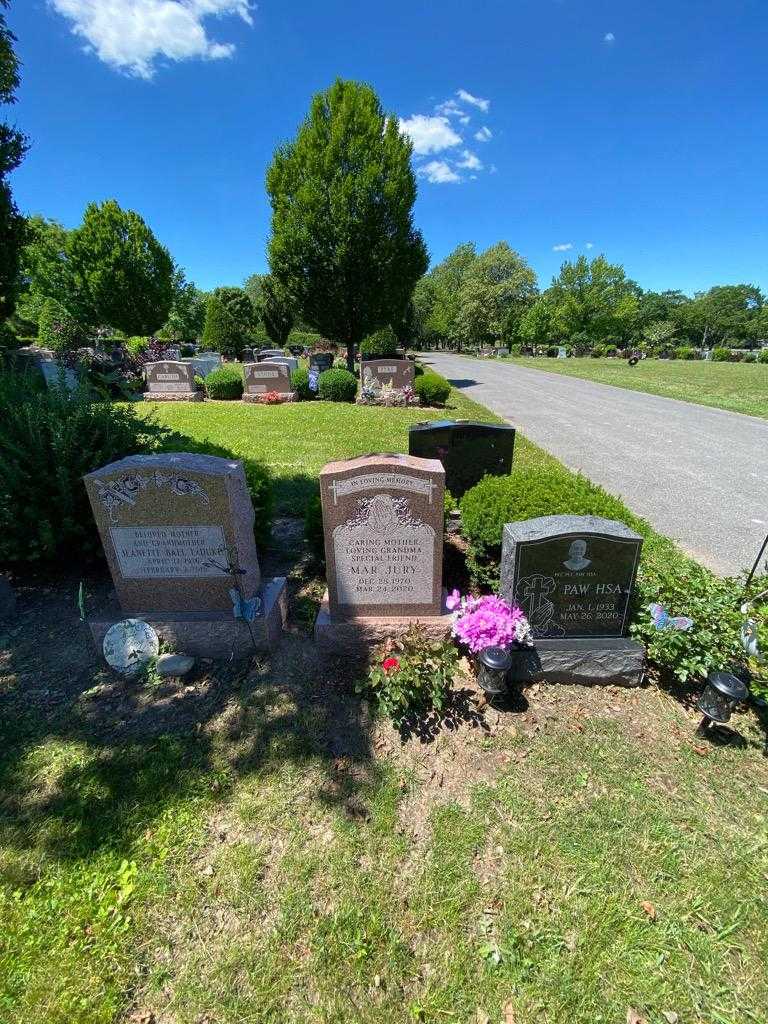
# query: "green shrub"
262, 491
300, 384
307, 339
685, 588
598, 351
516, 350
313, 527
552, 351
411, 674
721, 355
685, 352
610, 350
337, 385
48, 441
432, 389
226, 382
527, 494
762, 355
418, 369
749, 357
137, 344
221, 332
58, 330
379, 345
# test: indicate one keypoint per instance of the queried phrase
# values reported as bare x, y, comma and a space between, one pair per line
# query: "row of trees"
492, 298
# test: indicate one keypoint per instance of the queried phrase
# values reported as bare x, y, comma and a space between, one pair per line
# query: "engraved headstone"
573, 577
177, 532
383, 526
170, 380
289, 361
468, 450
397, 372
321, 361
263, 378
270, 353
206, 362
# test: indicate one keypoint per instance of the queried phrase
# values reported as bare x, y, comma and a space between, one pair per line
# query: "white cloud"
471, 162
484, 135
449, 108
429, 134
464, 119
590, 245
473, 101
609, 38
131, 35
563, 247
438, 172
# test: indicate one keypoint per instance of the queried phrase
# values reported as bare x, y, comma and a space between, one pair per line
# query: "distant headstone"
573, 577
270, 353
177, 532
266, 377
290, 362
321, 360
562, 352
247, 356
397, 372
468, 450
206, 362
383, 527
171, 381
54, 374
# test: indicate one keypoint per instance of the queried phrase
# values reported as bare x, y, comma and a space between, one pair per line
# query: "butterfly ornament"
242, 608
662, 620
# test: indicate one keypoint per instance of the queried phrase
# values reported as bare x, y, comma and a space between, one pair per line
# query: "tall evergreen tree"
276, 313
121, 275
343, 245
13, 146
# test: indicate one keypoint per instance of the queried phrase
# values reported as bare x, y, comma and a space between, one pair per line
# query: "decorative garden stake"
493, 664
721, 695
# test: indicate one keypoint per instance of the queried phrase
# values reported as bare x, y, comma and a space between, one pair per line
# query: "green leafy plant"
762, 355
225, 382
48, 441
685, 352
379, 345
431, 389
58, 329
300, 384
411, 673
721, 355
337, 385
526, 494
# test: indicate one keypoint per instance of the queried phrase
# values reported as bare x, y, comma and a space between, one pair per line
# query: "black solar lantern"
718, 699
493, 664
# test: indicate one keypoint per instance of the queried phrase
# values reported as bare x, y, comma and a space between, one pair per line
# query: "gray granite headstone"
572, 575
468, 450
170, 376
206, 362
289, 361
270, 353
261, 378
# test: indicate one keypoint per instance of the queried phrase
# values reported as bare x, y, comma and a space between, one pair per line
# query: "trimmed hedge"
721, 355
225, 383
300, 384
762, 355
431, 388
685, 352
337, 385
527, 494
379, 345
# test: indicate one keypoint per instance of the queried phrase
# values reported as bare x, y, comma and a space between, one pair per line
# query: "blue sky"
562, 126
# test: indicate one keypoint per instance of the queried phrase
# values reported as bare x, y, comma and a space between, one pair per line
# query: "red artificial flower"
390, 664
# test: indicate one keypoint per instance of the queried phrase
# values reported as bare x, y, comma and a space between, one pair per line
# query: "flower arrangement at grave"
272, 398
374, 392
487, 621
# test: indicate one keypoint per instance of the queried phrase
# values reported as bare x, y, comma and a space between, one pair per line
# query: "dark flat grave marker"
468, 450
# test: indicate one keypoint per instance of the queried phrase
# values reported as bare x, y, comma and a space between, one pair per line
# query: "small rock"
174, 664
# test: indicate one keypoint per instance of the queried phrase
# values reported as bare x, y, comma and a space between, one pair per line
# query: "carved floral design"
124, 489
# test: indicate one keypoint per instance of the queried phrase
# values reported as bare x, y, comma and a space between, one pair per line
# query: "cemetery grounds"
738, 387
252, 845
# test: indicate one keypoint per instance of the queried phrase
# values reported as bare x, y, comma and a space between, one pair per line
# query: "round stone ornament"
129, 645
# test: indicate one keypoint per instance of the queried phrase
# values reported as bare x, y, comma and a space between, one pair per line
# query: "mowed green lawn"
296, 439
739, 387
248, 846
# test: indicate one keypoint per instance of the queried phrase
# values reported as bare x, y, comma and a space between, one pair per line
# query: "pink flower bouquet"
488, 621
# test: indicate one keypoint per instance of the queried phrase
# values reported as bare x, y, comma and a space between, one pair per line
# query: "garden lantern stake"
493, 664
721, 695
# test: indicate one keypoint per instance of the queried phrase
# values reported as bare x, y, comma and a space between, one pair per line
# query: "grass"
738, 387
248, 845
297, 439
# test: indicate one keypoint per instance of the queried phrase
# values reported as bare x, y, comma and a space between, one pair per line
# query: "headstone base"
359, 634
174, 396
210, 634
611, 661
287, 396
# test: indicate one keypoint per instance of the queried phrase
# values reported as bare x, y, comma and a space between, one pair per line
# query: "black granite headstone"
321, 360
572, 575
467, 450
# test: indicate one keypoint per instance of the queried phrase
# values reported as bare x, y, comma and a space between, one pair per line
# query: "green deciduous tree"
724, 313
343, 242
240, 308
121, 275
536, 323
276, 313
497, 288
13, 145
187, 316
594, 298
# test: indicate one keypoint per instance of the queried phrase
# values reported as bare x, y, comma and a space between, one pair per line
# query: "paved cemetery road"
699, 475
